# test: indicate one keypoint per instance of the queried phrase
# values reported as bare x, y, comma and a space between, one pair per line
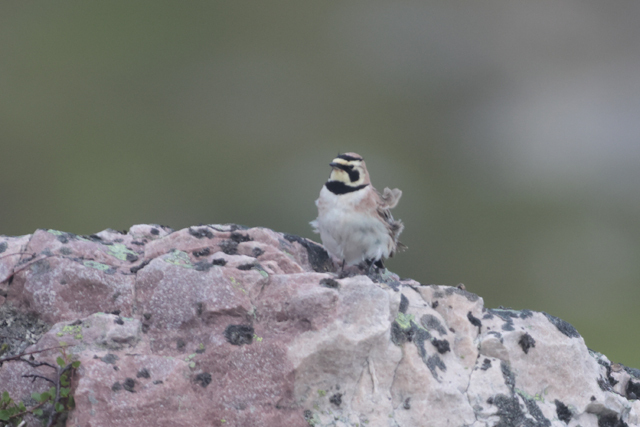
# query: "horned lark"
354, 219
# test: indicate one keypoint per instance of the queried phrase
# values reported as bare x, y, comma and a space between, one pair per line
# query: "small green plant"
56, 400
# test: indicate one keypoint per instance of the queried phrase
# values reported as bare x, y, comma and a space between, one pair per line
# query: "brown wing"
388, 200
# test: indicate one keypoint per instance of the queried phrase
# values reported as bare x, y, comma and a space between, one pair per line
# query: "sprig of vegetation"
58, 396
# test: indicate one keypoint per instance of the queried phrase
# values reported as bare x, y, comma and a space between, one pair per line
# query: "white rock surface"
227, 326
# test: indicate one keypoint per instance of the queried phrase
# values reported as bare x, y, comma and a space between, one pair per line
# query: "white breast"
348, 231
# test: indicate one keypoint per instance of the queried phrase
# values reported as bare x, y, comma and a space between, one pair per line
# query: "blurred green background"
512, 128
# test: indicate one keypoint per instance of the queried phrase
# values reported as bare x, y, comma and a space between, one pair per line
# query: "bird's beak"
338, 166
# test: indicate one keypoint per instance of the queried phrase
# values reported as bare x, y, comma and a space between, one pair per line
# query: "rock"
230, 326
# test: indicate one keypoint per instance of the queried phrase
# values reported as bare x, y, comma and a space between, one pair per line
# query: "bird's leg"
370, 263
342, 274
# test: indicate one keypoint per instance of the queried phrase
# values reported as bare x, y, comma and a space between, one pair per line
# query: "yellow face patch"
352, 174
339, 175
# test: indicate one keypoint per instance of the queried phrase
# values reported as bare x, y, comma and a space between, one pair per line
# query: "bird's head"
350, 169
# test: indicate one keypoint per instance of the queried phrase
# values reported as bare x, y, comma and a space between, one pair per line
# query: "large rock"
226, 326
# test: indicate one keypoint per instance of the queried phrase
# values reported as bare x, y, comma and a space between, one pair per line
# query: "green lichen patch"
96, 265
538, 396
236, 285
179, 258
404, 320
121, 252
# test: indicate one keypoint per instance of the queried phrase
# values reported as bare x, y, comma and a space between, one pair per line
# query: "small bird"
354, 219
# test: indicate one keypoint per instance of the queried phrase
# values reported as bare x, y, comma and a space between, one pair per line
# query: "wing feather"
386, 201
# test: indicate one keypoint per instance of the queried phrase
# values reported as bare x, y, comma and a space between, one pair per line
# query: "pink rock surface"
223, 326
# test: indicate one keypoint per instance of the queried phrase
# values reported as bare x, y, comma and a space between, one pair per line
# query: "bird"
354, 219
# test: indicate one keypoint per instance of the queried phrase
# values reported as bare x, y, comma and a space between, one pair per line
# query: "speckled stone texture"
219, 325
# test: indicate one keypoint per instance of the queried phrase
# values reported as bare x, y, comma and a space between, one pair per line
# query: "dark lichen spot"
65, 251
434, 362
199, 308
40, 267
180, 344
398, 335
328, 282
318, 256
563, 412
3, 246
204, 379
129, 384
526, 342
201, 233
229, 247
147, 316
407, 403
246, 267
131, 257
507, 316
140, 266
116, 312
143, 373
604, 384
441, 345
201, 252
118, 321
404, 304
509, 378
474, 320
468, 295
509, 411
431, 322
564, 327
202, 266
336, 399
154, 231
308, 415
219, 261
110, 359
239, 237
256, 252
239, 334
94, 238
610, 420
486, 364
158, 382
633, 389
434, 304
116, 387
524, 314
633, 372
535, 411
394, 284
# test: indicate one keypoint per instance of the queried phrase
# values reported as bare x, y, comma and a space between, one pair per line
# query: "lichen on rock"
226, 325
